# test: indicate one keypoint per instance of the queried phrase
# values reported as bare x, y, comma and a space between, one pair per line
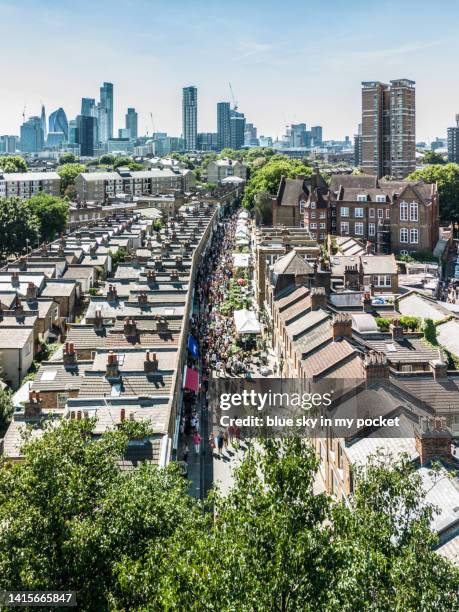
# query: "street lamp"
281, 367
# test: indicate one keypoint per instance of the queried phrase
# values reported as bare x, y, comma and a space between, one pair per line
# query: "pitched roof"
291, 191
292, 263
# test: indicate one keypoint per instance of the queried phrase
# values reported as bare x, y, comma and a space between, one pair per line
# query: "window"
372, 213
313, 204
387, 213
371, 229
380, 213
359, 229
380, 198
381, 280
322, 225
403, 211
313, 225
414, 211
414, 236
322, 236
358, 212
403, 234
362, 197
323, 214
404, 252
344, 211
345, 227
301, 207
313, 214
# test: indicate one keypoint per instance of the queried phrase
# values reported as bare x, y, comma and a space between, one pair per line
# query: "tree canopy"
6, 408
107, 159
52, 214
67, 158
447, 178
266, 178
136, 540
18, 224
432, 157
13, 163
68, 174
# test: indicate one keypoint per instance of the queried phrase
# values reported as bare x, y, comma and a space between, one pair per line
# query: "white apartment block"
28, 184
99, 186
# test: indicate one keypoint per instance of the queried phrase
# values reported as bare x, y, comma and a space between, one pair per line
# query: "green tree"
67, 158
264, 208
6, 410
52, 213
432, 157
447, 178
118, 257
17, 225
275, 545
68, 174
13, 163
107, 159
268, 176
231, 153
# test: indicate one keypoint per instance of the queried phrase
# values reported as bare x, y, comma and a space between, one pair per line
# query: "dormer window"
362, 197
380, 198
313, 204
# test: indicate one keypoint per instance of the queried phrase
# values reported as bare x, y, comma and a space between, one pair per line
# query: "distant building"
58, 122
88, 107
207, 141
223, 125
32, 137
237, 122
55, 140
100, 186
72, 131
132, 122
389, 128
358, 147
250, 136
453, 143
163, 144
86, 135
265, 141
8, 144
190, 117
26, 184
221, 169
106, 104
316, 135
43, 121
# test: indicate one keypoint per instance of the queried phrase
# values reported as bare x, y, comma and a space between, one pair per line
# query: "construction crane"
152, 123
235, 104
23, 113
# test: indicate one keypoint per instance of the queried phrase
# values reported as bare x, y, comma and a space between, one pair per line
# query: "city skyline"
277, 78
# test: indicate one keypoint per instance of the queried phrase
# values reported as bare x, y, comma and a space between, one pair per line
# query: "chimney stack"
69, 355
112, 294
130, 328
33, 407
112, 370
123, 414
162, 324
396, 330
31, 293
142, 298
15, 279
151, 276
151, 363
439, 369
376, 366
318, 298
98, 320
341, 326
433, 439
366, 302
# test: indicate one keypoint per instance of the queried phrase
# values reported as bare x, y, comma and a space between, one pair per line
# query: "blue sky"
290, 61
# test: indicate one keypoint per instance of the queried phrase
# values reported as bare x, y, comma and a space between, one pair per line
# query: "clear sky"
288, 61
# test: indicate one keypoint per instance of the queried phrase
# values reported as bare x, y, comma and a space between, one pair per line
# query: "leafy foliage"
51, 212
432, 157
430, 332
6, 409
135, 540
13, 163
266, 178
68, 174
447, 178
67, 158
18, 224
107, 159
118, 257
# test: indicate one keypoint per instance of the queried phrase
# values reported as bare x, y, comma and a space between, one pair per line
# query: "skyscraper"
88, 107
237, 121
132, 122
389, 128
58, 122
86, 134
32, 137
43, 121
358, 146
223, 125
453, 143
190, 117
316, 135
106, 102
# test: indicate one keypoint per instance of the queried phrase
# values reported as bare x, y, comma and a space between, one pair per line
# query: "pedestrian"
220, 442
185, 453
197, 442
231, 433
212, 443
225, 439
